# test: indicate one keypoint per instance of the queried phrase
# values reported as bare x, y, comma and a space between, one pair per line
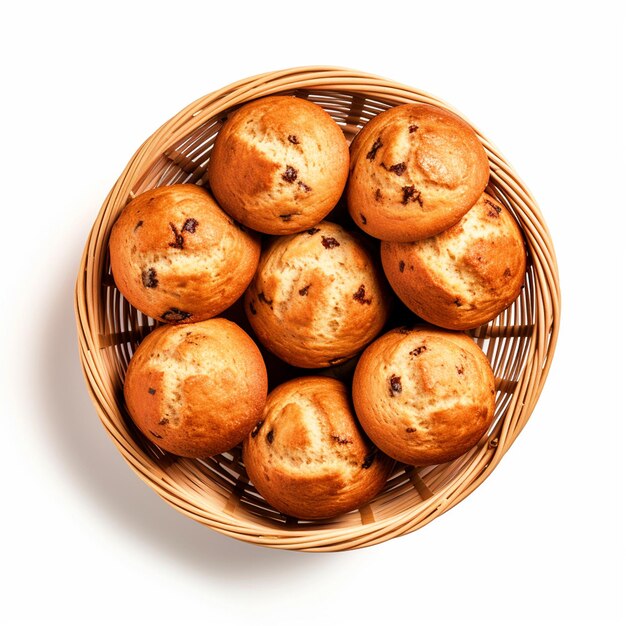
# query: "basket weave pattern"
216, 492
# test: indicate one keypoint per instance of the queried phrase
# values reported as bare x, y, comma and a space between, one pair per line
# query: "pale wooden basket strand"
520, 342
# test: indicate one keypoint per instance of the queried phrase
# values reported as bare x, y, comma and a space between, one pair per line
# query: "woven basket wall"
519, 343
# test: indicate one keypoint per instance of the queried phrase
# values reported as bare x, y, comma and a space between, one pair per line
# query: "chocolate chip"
303, 186
149, 278
411, 430
139, 224
401, 266
403, 330
290, 174
398, 169
293, 139
369, 459
257, 428
418, 351
359, 296
372, 153
341, 440
190, 225
263, 298
407, 193
329, 242
312, 231
495, 210
251, 306
175, 315
304, 291
378, 196
507, 272
493, 205
270, 436
286, 217
458, 302
413, 128
163, 421
459, 370
178, 238
410, 194
363, 218
151, 391
395, 385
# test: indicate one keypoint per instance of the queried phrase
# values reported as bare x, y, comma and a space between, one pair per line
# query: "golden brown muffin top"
424, 395
196, 389
317, 297
464, 276
307, 456
279, 164
415, 170
177, 257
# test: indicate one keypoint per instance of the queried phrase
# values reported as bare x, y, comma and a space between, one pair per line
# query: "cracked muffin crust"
424, 396
464, 276
279, 165
196, 390
415, 170
177, 257
317, 297
307, 456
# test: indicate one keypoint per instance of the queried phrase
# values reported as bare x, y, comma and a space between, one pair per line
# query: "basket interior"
519, 343
220, 484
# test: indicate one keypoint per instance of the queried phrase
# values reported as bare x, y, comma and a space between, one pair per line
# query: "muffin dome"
423, 395
317, 297
464, 276
415, 170
279, 164
196, 390
307, 456
177, 257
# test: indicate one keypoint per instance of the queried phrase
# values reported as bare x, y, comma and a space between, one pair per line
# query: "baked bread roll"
196, 390
279, 164
464, 276
177, 257
424, 396
317, 297
307, 457
415, 170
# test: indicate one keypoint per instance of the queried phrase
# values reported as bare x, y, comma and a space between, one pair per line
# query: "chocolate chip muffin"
279, 164
307, 456
424, 396
415, 170
177, 257
317, 298
196, 390
464, 276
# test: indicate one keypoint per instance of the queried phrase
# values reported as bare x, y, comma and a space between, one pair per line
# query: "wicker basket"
520, 342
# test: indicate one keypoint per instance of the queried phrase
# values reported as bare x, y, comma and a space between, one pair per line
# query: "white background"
83, 539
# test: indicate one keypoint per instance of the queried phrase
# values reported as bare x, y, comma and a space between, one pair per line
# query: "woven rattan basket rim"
178, 483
